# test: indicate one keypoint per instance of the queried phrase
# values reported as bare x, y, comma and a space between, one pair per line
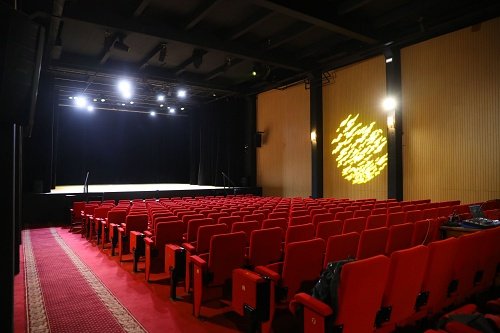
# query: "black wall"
121, 147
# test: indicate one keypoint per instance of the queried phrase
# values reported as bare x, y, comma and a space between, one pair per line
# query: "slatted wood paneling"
451, 112
284, 160
359, 88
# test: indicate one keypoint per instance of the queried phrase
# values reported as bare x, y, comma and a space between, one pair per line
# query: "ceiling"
211, 47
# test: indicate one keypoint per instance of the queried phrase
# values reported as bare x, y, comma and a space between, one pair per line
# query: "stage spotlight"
198, 57
120, 45
80, 101
95, 99
182, 109
123, 104
103, 100
152, 113
181, 93
163, 53
172, 110
90, 108
160, 97
70, 97
389, 104
161, 105
131, 102
125, 88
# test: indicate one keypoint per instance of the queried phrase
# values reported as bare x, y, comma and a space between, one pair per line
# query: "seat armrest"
197, 261
311, 303
149, 241
123, 225
148, 233
121, 230
266, 272
189, 248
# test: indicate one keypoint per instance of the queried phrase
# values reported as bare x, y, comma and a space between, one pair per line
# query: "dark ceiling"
211, 47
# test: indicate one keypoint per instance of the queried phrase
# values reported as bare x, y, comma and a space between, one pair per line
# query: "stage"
43, 209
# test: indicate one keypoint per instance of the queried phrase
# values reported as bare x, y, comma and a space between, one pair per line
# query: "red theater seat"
165, 233
229, 220
372, 242
299, 233
413, 216
322, 218
246, 227
362, 213
327, 229
406, 273
265, 247
355, 224
76, 216
133, 223
395, 218
213, 271
341, 247
376, 221
399, 238
302, 265
276, 222
360, 293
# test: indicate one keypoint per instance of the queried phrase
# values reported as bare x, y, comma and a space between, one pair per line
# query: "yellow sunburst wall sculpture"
359, 150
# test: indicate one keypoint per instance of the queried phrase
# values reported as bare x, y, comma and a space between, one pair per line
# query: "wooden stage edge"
48, 209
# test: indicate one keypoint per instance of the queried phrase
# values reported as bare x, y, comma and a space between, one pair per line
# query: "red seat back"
413, 216
376, 221
372, 242
341, 247
302, 265
360, 293
322, 218
355, 224
205, 233
362, 213
193, 225
265, 246
136, 223
299, 233
399, 238
326, 229
227, 252
395, 218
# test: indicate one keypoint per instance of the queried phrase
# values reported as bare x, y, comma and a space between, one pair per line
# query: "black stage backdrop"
121, 147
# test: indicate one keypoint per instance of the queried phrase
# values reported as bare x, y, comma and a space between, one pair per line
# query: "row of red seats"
407, 286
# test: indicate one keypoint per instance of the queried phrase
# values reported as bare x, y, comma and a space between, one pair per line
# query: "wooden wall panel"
359, 88
284, 160
451, 116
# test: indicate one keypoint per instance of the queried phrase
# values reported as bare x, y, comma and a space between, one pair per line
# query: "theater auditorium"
250, 166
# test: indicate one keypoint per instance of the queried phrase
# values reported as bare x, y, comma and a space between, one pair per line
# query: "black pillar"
250, 162
8, 150
395, 135
316, 118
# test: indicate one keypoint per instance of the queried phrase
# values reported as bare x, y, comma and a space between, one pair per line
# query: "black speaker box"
258, 139
21, 48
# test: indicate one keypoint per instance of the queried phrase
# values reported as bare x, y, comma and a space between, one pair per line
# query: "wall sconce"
390, 122
313, 137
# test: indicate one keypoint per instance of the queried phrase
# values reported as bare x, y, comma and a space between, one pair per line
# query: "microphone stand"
86, 187
230, 182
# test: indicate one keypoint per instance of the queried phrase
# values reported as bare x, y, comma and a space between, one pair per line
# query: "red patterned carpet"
63, 293
72, 286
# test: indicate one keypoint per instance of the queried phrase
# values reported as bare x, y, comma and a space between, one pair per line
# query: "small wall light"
313, 136
390, 122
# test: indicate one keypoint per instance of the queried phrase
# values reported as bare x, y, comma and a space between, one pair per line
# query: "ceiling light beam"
253, 21
298, 15
142, 6
200, 13
144, 62
351, 5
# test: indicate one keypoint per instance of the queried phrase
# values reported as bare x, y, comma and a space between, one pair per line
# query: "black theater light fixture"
163, 53
198, 57
120, 45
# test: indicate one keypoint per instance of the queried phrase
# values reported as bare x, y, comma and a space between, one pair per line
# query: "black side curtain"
218, 143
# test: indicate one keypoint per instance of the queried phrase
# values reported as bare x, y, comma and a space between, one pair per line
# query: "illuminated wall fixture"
390, 122
360, 150
389, 104
313, 137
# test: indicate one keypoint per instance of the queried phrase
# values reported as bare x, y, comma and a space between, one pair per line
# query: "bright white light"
103, 100
314, 136
95, 99
390, 121
160, 98
125, 88
161, 105
80, 101
182, 109
131, 102
389, 104
181, 93
70, 97
123, 104
214, 94
388, 60
90, 108
172, 110
152, 113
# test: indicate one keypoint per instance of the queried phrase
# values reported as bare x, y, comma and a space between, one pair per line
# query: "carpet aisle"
63, 295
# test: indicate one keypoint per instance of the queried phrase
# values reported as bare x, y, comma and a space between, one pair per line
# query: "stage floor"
110, 188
